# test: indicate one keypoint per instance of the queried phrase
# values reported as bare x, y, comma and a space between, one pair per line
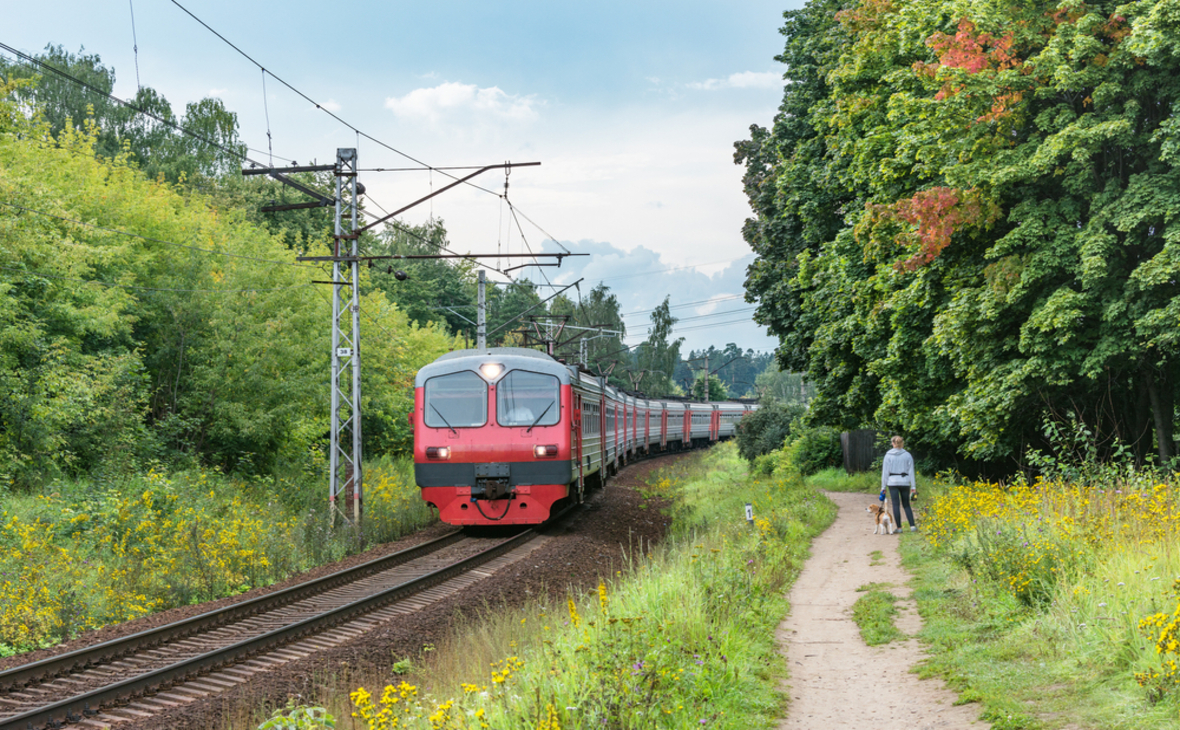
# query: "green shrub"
767, 428
815, 448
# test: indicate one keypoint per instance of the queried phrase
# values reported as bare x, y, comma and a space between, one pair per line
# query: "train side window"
457, 400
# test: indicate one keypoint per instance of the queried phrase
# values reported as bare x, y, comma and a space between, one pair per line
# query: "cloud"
466, 100
742, 80
642, 277
216, 92
331, 105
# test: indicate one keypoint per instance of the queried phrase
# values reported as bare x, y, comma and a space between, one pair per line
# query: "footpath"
836, 681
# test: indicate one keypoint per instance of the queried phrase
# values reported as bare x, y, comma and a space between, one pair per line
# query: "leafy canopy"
966, 219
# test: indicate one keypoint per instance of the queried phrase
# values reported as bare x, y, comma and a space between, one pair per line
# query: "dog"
884, 521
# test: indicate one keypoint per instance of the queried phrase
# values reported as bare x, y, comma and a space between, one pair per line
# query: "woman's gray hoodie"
897, 469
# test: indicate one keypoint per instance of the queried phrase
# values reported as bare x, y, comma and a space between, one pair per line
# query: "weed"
874, 613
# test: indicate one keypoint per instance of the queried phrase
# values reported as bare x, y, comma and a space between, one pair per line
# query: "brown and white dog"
884, 521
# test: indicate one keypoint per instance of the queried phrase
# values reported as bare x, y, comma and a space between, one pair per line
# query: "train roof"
512, 358
500, 351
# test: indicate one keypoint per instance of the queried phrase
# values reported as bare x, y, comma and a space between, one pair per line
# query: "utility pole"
345, 448
583, 341
481, 315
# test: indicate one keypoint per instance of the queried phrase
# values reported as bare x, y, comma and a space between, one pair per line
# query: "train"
504, 435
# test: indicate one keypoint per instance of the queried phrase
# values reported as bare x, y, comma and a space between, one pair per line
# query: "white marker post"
750, 513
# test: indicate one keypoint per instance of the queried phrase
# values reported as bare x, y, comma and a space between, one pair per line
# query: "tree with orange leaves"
966, 223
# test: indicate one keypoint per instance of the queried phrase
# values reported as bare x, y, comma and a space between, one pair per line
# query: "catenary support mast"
346, 467
481, 314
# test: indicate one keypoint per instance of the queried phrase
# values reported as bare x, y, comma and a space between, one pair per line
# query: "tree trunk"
1141, 423
1160, 393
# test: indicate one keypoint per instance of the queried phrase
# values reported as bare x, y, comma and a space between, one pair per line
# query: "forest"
152, 313
965, 217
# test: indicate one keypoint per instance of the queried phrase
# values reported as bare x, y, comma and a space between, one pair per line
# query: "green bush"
767, 428
815, 448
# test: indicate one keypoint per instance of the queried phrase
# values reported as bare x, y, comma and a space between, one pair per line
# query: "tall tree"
658, 355
988, 232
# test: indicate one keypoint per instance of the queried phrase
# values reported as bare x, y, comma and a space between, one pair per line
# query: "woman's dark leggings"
901, 496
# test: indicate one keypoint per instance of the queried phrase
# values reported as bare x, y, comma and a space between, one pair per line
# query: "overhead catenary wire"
360, 133
659, 271
234, 153
266, 110
122, 102
726, 298
716, 314
392, 223
316, 104
674, 268
135, 45
710, 325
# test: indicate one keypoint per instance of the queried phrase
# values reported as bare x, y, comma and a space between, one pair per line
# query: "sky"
632, 109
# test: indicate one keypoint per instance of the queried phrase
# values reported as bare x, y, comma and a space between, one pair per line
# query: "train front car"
492, 436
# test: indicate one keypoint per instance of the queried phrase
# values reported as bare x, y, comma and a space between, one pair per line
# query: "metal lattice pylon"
346, 471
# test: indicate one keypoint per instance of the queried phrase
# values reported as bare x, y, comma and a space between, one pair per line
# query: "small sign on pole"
749, 513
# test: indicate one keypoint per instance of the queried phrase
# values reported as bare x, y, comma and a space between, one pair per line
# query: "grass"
837, 480
874, 613
96, 551
684, 636
876, 558
1058, 646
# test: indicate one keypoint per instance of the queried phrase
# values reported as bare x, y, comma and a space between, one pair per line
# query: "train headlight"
543, 451
491, 370
438, 452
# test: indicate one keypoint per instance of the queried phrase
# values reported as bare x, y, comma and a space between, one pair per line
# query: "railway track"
137, 676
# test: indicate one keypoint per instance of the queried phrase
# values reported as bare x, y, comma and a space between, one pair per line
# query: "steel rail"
18, 677
87, 704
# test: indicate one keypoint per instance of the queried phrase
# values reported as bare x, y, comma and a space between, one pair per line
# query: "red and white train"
503, 435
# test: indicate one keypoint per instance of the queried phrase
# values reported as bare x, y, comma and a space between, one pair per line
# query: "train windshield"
457, 400
527, 399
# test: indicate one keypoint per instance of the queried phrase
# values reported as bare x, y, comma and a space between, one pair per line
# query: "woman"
897, 473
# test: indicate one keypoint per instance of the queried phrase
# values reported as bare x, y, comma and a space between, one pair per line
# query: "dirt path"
837, 681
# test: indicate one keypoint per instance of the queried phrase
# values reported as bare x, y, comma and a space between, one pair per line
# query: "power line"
421, 169
664, 271
716, 314
139, 110
135, 45
317, 105
677, 330
234, 153
444, 170
154, 240
726, 298
674, 268
413, 234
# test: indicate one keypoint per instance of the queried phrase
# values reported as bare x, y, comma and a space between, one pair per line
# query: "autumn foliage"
932, 217
973, 50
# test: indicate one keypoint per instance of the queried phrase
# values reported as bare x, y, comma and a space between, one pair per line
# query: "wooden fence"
860, 449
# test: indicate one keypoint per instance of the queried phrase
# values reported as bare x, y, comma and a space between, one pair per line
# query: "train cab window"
527, 399
458, 400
